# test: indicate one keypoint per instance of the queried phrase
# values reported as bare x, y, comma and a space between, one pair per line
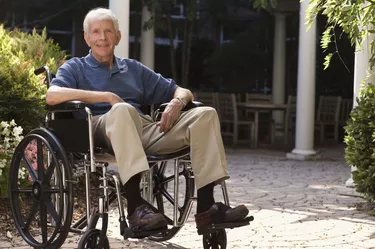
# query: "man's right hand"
113, 98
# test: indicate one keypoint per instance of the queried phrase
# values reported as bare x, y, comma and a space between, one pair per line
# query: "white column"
278, 79
121, 9
361, 75
305, 88
147, 40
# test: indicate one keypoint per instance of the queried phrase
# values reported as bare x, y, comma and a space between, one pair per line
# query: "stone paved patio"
296, 204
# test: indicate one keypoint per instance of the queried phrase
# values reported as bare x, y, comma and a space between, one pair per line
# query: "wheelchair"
48, 162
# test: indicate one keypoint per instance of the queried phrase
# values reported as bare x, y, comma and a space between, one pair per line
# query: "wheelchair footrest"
229, 225
129, 233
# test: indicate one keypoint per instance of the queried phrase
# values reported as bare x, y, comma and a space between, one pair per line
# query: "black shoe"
220, 213
144, 219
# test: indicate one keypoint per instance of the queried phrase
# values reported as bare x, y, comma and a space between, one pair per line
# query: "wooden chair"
345, 109
229, 118
207, 98
265, 117
288, 127
290, 118
328, 115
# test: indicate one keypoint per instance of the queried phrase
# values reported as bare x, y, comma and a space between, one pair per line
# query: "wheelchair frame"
150, 185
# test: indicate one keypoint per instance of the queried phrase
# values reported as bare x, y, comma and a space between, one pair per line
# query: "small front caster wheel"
90, 240
215, 240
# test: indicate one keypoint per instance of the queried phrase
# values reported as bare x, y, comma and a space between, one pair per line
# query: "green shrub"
22, 94
360, 141
10, 136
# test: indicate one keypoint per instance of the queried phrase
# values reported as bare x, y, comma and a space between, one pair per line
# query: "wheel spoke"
169, 198
51, 209
40, 161
43, 220
23, 190
170, 178
52, 191
30, 169
50, 170
31, 216
159, 203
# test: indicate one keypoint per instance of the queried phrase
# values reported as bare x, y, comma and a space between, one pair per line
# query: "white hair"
100, 14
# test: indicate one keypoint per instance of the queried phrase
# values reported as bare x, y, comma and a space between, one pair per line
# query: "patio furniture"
345, 109
257, 108
328, 115
265, 118
229, 119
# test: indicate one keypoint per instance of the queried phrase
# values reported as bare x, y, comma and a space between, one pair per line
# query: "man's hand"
170, 115
113, 98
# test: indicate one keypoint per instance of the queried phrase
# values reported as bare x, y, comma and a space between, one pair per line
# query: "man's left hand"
171, 113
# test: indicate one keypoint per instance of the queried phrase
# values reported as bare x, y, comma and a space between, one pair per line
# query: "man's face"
102, 38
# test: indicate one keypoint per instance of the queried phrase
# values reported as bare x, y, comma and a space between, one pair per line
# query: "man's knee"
123, 109
205, 113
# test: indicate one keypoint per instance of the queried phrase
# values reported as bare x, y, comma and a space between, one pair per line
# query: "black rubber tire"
215, 240
90, 240
50, 197
161, 181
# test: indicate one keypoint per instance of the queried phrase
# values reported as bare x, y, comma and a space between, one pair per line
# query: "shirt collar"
118, 64
91, 60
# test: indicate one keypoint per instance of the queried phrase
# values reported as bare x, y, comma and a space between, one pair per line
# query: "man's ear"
118, 37
86, 39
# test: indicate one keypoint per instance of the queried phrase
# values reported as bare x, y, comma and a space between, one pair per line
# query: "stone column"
147, 40
121, 9
278, 79
304, 147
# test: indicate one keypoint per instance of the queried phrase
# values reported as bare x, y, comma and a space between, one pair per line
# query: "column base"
350, 182
303, 155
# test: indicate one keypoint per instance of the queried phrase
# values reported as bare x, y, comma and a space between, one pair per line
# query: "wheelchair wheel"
90, 240
40, 190
215, 240
164, 199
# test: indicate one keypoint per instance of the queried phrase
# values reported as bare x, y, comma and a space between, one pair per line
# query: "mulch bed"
6, 219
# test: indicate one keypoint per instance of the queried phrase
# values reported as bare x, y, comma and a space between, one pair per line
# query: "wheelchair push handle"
44, 69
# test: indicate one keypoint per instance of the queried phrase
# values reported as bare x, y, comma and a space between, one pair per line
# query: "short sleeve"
65, 76
157, 89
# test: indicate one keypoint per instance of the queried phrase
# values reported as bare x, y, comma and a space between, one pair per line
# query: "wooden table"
256, 108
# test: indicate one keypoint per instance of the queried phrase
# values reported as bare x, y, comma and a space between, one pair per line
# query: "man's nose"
103, 35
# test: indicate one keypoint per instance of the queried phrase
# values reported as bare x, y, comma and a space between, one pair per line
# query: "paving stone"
296, 204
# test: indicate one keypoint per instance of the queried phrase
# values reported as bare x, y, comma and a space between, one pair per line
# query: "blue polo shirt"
129, 79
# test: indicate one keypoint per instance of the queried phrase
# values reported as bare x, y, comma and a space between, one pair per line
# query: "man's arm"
56, 95
183, 95
172, 112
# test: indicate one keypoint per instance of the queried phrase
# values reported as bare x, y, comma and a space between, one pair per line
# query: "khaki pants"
131, 135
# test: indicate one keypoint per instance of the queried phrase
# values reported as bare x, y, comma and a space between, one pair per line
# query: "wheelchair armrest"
157, 114
189, 105
67, 106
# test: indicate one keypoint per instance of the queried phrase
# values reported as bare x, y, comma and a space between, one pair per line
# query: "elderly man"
114, 89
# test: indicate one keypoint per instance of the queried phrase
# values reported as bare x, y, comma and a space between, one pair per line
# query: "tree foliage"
354, 17
22, 94
360, 141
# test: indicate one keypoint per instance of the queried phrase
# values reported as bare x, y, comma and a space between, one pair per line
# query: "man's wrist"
177, 102
182, 101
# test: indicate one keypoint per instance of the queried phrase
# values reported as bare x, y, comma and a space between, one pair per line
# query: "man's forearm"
57, 95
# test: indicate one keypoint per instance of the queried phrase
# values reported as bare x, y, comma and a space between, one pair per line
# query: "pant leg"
199, 128
121, 128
